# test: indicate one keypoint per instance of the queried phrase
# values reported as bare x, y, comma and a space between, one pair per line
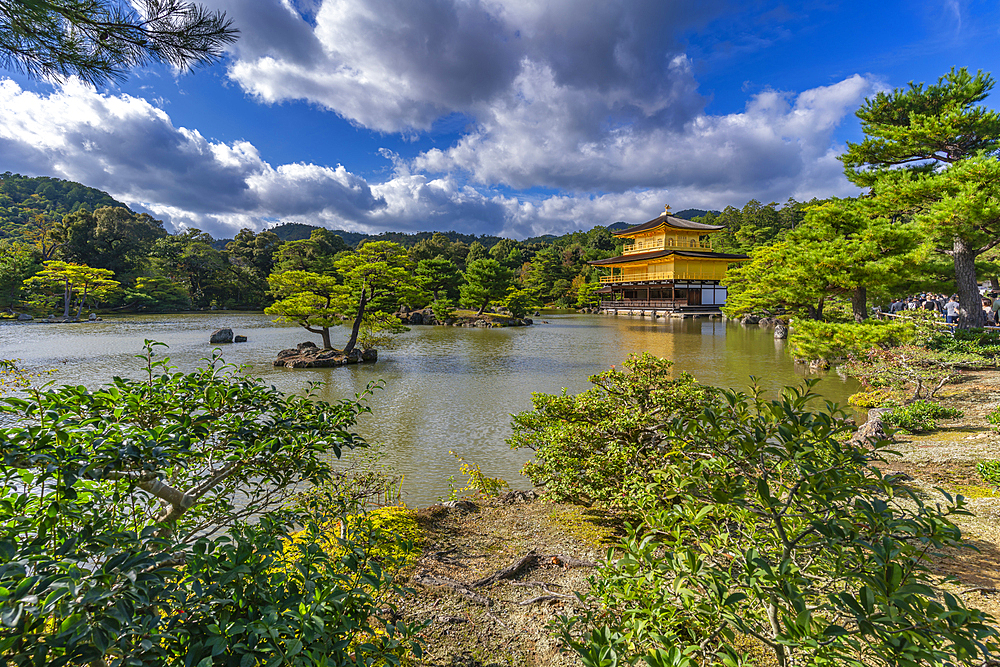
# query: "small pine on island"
668, 266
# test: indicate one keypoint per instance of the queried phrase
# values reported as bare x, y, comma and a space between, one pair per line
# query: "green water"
446, 389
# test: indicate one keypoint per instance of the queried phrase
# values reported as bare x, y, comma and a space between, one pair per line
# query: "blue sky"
510, 117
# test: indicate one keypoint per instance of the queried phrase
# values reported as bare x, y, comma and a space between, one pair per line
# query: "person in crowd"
988, 314
951, 310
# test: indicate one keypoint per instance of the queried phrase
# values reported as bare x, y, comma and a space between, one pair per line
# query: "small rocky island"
309, 355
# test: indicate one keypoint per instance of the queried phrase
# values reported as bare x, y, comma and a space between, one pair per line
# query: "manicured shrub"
919, 416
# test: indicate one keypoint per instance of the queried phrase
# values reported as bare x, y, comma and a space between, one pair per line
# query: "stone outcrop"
309, 355
221, 336
780, 331
487, 320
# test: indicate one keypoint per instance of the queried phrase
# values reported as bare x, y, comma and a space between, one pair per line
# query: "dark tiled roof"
670, 221
657, 254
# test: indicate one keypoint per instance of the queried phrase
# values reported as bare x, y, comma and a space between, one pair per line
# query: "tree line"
929, 219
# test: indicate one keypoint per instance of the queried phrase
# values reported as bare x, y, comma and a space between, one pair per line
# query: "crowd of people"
947, 307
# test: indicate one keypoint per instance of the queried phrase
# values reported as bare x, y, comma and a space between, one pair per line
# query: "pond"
446, 389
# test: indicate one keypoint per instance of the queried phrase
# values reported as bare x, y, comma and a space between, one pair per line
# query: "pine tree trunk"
357, 322
482, 308
970, 313
859, 304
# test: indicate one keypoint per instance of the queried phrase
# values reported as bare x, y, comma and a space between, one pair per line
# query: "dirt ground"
498, 625
946, 459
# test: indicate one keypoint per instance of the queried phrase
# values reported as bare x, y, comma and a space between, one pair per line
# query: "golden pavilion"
668, 264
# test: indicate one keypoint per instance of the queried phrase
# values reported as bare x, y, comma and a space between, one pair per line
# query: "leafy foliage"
315, 302
99, 41
126, 536
600, 445
766, 537
910, 366
828, 340
928, 156
989, 470
73, 284
919, 416
876, 398
485, 280
378, 329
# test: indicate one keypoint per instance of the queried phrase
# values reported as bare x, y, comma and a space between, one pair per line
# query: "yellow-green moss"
755, 649
590, 525
973, 492
953, 434
877, 398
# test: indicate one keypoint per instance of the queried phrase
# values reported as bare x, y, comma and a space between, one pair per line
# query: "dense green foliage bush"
876, 398
600, 446
919, 416
148, 523
979, 344
763, 536
828, 340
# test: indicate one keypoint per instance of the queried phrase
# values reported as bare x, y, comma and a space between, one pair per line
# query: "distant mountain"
24, 197
295, 231
692, 213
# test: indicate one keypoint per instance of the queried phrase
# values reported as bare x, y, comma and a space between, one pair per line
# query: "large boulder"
24, 317
221, 336
781, 331
416, 318
239, 339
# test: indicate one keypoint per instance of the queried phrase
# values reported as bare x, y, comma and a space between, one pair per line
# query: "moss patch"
593, 526
974, 492
945, 434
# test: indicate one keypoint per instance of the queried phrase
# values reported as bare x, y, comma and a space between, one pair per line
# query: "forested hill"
24, 197
294, 231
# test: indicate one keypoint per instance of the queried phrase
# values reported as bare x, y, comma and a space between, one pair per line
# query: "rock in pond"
24, 317
239, 339
221, 336
781, 331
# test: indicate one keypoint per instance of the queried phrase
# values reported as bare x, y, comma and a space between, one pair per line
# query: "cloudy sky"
509, 117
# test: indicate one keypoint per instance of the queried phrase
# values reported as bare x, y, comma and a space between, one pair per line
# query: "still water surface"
446, 389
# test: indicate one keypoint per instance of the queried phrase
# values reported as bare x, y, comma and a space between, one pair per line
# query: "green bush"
444, 309
761, 520
876, 398
994, 417
828, 340
600, 445
147, 523
919, 416
989, 470
981, 344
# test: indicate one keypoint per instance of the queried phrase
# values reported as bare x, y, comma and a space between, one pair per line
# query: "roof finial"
666, 210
